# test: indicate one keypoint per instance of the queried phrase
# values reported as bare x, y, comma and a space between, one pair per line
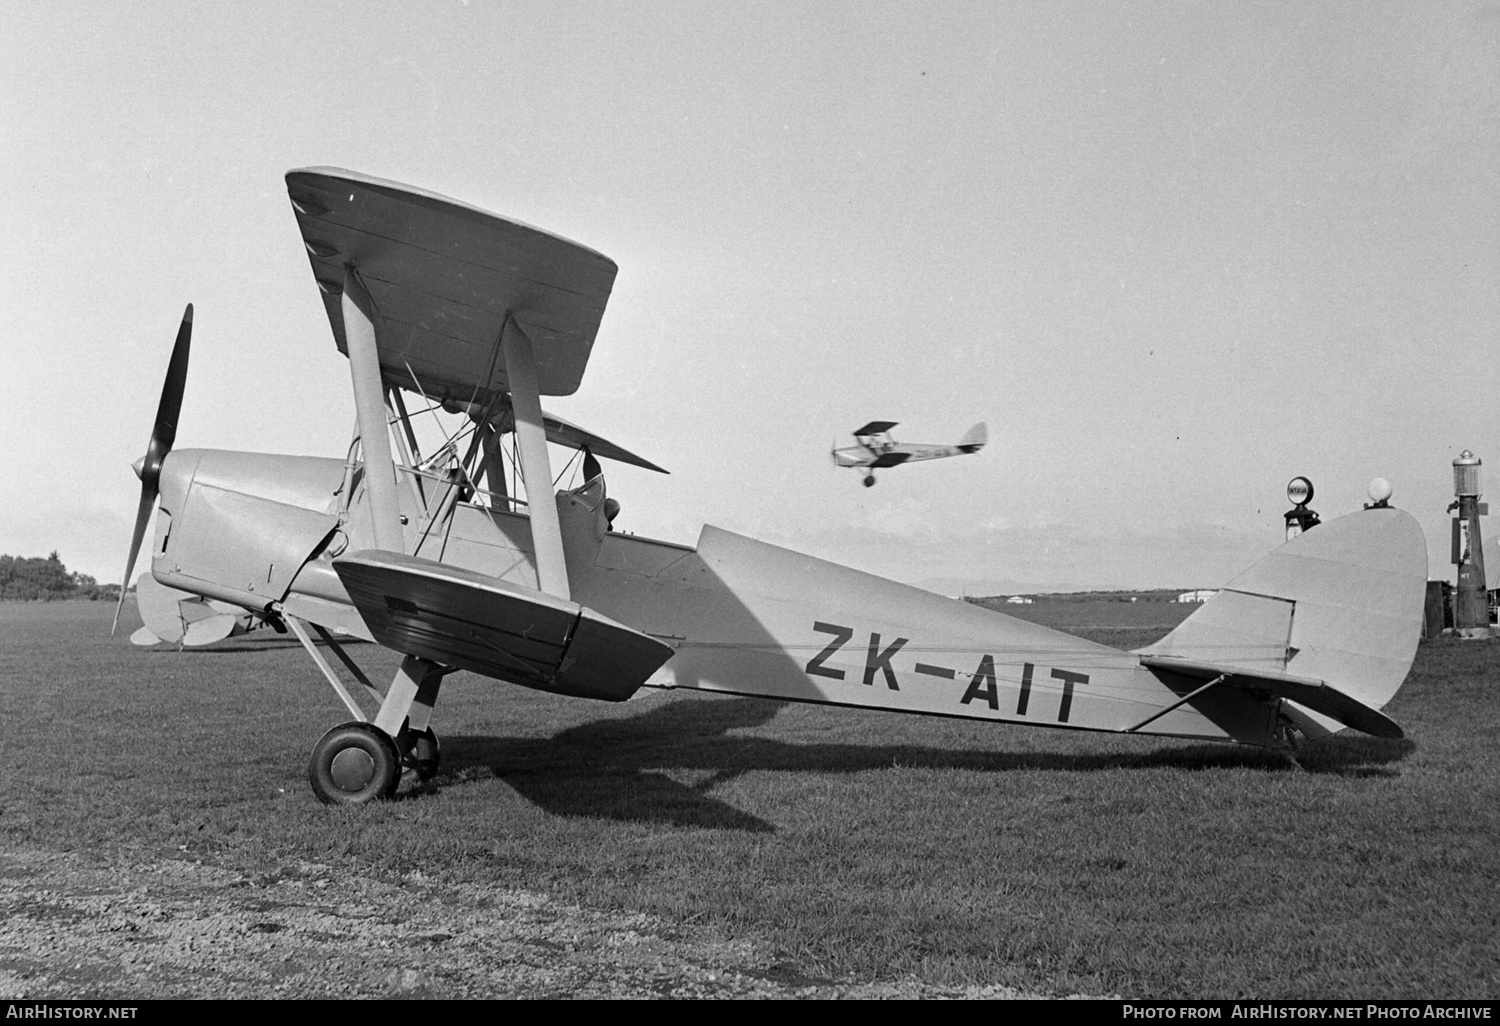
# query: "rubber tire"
426, 754
383, 770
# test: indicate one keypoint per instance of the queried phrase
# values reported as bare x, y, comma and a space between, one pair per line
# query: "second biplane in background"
437, 556
878, 449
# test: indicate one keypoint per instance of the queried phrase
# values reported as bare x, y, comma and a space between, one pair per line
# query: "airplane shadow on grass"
613, 768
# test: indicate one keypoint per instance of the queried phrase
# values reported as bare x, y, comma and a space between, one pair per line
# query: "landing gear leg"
423, 754
419, 745
362, 761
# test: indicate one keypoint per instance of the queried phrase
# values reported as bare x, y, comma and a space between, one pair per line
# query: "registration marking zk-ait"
983, 683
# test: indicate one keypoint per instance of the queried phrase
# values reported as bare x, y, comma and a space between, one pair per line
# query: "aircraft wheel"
425, 754
870, 481
352, 764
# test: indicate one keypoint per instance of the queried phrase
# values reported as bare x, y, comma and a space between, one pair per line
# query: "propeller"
163, 434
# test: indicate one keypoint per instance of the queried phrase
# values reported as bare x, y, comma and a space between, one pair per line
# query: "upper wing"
572, 436
875, 427
444, 277
562, 432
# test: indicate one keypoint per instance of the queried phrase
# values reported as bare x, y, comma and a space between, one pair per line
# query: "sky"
1174, 254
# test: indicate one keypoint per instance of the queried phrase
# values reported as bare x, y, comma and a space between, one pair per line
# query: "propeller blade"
164, 431
163, 434
142, 517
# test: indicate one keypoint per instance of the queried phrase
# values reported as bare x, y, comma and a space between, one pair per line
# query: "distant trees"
32, 579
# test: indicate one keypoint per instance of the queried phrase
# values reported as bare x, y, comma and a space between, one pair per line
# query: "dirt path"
174, 928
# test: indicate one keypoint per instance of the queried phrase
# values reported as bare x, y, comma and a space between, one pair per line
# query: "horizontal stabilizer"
144, 638
1306, 691
160, 609
211, 629
170, 614
480, 623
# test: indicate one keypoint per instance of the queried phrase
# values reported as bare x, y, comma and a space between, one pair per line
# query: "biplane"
466, 556
878, 449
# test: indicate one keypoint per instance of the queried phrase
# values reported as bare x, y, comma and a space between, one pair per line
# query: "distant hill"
1155, 610
1149, 595
965, 588
984, 592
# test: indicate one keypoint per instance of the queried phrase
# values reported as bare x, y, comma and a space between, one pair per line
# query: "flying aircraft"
877, 448
456, 564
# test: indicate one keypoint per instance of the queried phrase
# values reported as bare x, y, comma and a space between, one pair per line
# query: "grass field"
855, 845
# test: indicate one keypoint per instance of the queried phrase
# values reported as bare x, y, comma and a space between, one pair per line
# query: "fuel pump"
1471, 612
1299, 491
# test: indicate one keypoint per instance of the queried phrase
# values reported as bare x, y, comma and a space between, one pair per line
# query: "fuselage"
892, 452
745, 617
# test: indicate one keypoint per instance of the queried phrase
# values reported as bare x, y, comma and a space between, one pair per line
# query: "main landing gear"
364, 760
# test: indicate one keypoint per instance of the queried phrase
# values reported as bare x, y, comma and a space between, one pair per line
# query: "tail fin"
975, 438
1341, 604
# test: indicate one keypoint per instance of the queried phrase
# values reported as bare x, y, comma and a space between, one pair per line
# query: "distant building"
1018, 600
1201, 595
